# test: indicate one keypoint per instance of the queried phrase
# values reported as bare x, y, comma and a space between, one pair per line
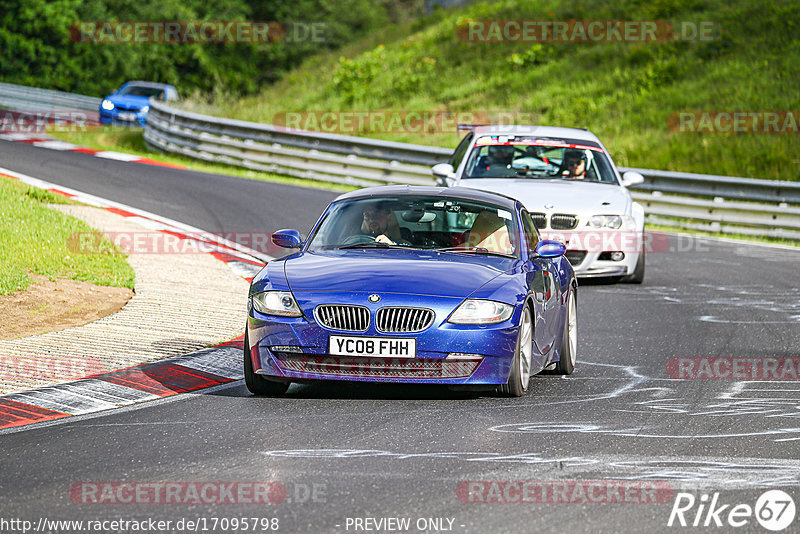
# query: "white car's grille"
562, 221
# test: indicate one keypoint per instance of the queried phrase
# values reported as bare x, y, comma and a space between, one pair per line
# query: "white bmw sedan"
570, 186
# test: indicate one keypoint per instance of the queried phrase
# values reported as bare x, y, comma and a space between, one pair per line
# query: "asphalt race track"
361, 451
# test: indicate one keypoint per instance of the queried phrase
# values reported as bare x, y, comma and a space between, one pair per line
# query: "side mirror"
287, 238
549, 249
632, 178
443, 170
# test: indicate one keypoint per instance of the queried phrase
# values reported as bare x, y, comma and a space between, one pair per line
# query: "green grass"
36, 240
130, 141
623, 92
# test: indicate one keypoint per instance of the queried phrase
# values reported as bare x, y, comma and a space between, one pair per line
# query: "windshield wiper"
473, 250
371, 244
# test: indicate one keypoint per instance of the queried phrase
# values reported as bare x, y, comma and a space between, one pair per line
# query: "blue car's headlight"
279, 303
145, 109
107, 105
475, 311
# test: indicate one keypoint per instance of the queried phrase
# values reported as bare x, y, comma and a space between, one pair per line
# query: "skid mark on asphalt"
695, 472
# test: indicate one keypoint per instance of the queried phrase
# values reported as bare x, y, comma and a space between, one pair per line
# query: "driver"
574, 165
380, 222
501, 155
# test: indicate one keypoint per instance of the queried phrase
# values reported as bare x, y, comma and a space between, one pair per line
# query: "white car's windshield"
501, 157
426, 222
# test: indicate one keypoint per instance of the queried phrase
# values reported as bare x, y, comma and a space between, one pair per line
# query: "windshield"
520, 157
422, 222
138, 90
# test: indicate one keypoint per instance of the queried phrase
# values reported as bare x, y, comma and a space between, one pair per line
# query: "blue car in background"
416, 285
129, 105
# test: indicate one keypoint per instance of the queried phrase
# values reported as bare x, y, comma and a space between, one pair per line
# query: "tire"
520, 376
259, 385
569, 341
637, 277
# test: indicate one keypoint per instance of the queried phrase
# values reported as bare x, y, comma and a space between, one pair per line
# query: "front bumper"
446, 353
128, 118
590, 265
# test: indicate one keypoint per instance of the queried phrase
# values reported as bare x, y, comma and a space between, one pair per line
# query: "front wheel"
637, 276
257, 384
520, 375
569, 342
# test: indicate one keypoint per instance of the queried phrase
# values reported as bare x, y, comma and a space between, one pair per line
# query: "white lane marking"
61, 400
107, 391
119, 156
100, 202
715, 319
225, 362
19, 136
55, 144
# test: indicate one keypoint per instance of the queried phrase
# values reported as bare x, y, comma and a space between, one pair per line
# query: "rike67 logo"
774, 510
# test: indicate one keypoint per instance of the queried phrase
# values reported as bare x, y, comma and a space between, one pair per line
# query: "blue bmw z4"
419, 285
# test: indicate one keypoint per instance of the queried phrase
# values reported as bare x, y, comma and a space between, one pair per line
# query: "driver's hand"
383, 239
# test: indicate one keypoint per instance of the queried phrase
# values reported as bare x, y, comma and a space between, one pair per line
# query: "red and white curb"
132, 385
46, 141
191, 372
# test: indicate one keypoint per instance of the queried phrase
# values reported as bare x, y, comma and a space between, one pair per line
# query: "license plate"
381, 347
127, 116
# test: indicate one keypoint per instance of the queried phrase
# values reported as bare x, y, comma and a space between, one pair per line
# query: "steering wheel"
358, 239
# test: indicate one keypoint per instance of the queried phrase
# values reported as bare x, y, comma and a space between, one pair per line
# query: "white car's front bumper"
589, 264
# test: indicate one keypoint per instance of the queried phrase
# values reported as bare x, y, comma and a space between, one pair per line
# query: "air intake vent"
575, 257
341, 317
539, 220
560, 221
401, 319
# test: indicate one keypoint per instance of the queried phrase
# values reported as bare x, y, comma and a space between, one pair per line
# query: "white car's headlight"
107, 105
475, 311
279, 303
615, 222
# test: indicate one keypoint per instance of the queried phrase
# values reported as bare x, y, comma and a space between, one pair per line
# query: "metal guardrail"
31, 99
734, 205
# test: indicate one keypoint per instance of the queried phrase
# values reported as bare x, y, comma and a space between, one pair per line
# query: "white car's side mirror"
631, 178
444, 173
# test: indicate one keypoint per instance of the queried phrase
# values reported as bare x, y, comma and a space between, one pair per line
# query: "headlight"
145, 109
474, 311
279, 303
107, 105
611, 221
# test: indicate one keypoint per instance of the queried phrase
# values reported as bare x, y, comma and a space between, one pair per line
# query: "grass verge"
36, 240
628, 93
